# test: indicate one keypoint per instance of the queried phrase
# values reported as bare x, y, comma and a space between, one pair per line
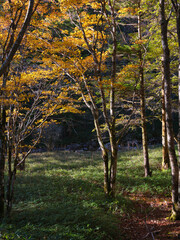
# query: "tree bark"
165, 153
168, 109
4, 70
103, 150
20, 36
112, 129
113, 167
2, 159
176, 7
147, 171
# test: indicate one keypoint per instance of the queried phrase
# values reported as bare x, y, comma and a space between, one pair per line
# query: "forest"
89, 119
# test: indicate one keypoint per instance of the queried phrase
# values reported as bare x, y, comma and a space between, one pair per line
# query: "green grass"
131, 174
60, 195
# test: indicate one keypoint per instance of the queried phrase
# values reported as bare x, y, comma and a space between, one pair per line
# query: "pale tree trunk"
168, 109
112, 128
147, 171
107, 104
165, 154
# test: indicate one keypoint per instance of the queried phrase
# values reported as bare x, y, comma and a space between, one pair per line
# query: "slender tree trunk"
2, 159
112, 129
106, 172
113, 167
103, 150
178, 34
10, 176
176, 7
168, 109
165, 154
143, 104
147, 171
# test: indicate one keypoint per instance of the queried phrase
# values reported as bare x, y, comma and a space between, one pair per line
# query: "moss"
175, 214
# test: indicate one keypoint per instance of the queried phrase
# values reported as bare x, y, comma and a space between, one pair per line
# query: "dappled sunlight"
61, 194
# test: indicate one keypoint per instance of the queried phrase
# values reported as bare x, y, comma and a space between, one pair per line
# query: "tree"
142, 98
82, 55
176, 7
138, 53
29, 106
168, 108
165, 152
10, 44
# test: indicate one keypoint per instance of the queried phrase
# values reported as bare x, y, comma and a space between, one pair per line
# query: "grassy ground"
60, 195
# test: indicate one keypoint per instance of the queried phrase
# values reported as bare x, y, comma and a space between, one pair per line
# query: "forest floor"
150, 219
60, 196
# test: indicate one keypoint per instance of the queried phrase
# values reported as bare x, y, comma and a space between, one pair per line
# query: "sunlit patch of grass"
60, 195
131, 173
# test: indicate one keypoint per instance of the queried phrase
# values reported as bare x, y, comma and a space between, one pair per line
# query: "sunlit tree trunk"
112, 129
168, 109
103, 150
113, 167
142, 102
165, 154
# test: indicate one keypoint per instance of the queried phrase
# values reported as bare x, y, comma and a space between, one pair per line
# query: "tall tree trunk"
176, 7
142, 102
103, 150
168, 109
112, 129
10, 176
2, 159
147, 171
113, 167
165, 153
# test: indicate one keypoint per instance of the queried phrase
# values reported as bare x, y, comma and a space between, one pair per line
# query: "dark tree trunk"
7, 57
113, 167
176, 6
168, 109
106, 172
20, 36
2, 159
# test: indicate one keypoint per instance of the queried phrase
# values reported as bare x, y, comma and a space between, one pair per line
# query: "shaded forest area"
77, 133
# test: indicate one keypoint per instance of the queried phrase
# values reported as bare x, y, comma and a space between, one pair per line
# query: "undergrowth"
60, 195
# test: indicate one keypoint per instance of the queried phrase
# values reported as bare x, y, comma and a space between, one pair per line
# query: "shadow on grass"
62, 207
60, 196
